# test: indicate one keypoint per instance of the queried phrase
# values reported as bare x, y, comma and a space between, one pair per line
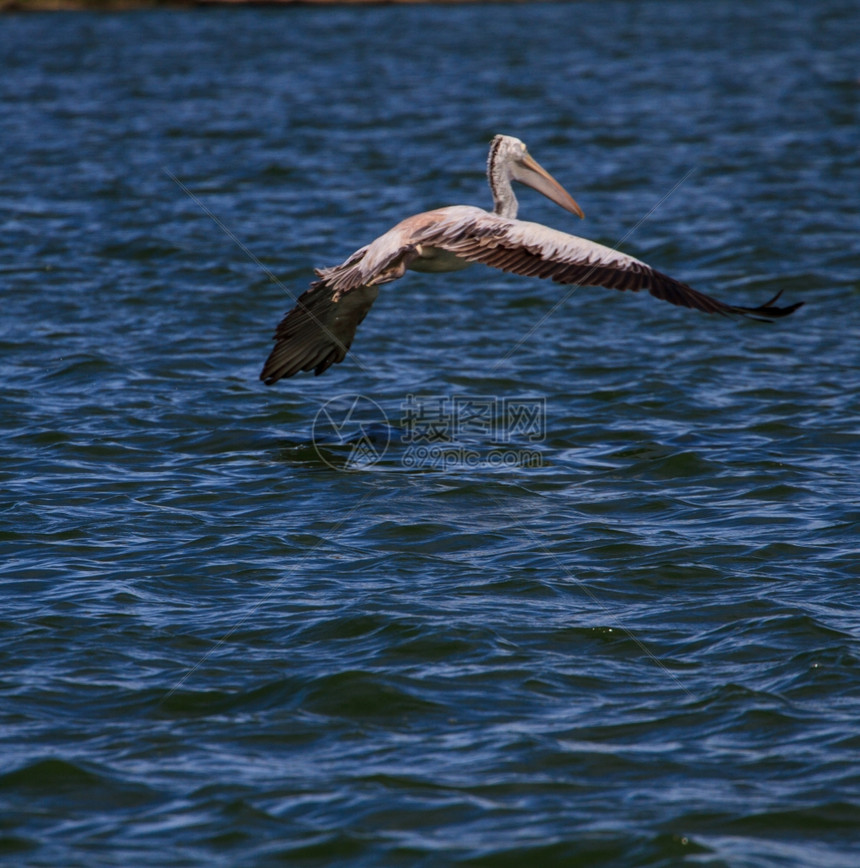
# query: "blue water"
604, 613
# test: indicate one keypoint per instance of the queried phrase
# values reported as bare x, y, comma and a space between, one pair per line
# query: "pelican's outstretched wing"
534, 250
318, 331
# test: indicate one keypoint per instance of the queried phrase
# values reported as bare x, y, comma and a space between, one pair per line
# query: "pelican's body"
319, 330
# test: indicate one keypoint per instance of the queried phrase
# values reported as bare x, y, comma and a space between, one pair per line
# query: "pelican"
319, 330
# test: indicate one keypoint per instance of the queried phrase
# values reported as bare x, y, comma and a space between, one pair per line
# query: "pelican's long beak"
530, 172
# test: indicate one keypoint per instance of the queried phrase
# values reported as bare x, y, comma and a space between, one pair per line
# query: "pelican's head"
510, 160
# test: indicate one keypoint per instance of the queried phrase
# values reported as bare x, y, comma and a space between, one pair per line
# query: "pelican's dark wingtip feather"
768, 311
317, 333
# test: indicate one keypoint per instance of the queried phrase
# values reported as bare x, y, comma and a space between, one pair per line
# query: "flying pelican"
319, 330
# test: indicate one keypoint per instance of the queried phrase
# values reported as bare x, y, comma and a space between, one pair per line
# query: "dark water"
608, 618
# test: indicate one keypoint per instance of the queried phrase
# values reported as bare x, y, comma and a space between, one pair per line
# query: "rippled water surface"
606, 615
